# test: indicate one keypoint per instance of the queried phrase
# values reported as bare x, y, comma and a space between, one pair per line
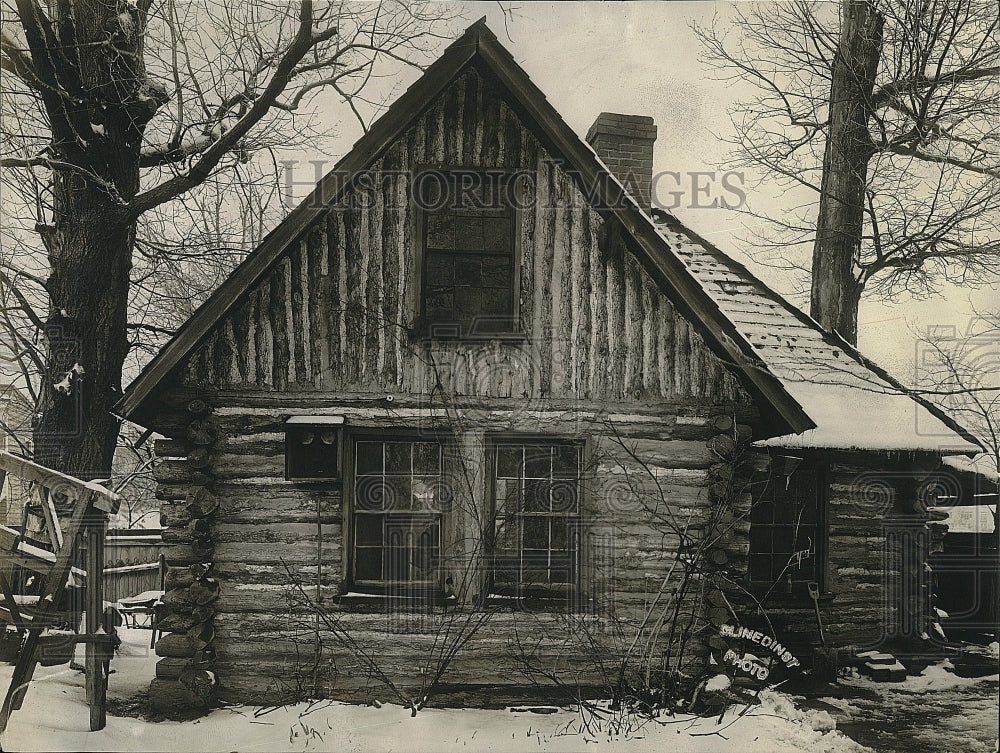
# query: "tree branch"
303, 41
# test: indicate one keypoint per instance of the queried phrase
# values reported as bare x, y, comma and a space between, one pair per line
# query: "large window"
468, 254
786, 533
396, 513
536, 537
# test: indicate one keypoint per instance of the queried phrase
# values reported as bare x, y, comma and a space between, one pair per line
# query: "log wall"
277, 544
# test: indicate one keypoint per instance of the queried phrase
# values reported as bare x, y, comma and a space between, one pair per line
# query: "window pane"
368, 530
507, 534
495, 302
468, 270
426, 458
561, 569
368, 564
507, 495
440, 269
441, 230
559, 534
508, 461
496, 234
537, 462
763, 512
496, 271
398, 494
368, 458
566, 460
564, 495
439, 302
536, 532
425, 492
468, 303
760, 538
468, 232
397, 457
536, 496
369, 493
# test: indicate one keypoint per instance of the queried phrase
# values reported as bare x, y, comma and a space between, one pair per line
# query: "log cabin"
476, 417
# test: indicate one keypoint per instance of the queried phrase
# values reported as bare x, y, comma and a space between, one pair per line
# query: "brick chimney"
625, 143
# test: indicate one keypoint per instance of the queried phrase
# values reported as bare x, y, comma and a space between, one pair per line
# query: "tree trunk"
836, 287
98, 103
85, 333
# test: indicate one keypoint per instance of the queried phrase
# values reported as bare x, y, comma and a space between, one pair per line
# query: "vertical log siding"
336, 312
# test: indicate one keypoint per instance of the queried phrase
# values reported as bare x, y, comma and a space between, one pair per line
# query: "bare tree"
126, 125
882, 125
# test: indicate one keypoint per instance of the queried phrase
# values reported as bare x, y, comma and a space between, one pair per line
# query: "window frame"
769, 589
420, 324
433, 588
547, 595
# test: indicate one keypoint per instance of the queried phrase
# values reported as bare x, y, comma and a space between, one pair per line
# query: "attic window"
469, 260
312, 447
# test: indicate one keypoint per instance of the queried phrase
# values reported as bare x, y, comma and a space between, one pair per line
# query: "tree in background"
882, 124
137, 140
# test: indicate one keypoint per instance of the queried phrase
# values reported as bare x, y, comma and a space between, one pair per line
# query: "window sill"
795, 600
377, 602
452, 337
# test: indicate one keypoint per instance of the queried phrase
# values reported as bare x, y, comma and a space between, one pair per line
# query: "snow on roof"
853, 405
969, 519
981, 465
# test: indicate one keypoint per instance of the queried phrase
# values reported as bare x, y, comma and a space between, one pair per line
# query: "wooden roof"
478, 46
855, 403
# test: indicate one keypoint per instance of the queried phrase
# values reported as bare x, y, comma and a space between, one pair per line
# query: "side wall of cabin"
276, 545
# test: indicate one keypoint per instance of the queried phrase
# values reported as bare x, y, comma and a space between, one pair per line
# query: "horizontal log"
722, 446
275, 574
170, 448
260, 503
175, 601
200, 458
176, 645
174, 514
170, 698
277, 533
170, 668
198, 407
203, 431
200, 682
198, 531
201, 502
723, 422
185, 645
279, 599
180, 623
187, 554
171, 492
172, 472
203, 591
292, 554
182, 577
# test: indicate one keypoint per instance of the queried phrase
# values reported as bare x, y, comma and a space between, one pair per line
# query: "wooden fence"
132, 563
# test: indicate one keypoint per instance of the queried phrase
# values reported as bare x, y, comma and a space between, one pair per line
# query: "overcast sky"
642, 58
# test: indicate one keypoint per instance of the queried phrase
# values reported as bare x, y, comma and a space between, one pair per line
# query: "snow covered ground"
55, 717
934, 711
